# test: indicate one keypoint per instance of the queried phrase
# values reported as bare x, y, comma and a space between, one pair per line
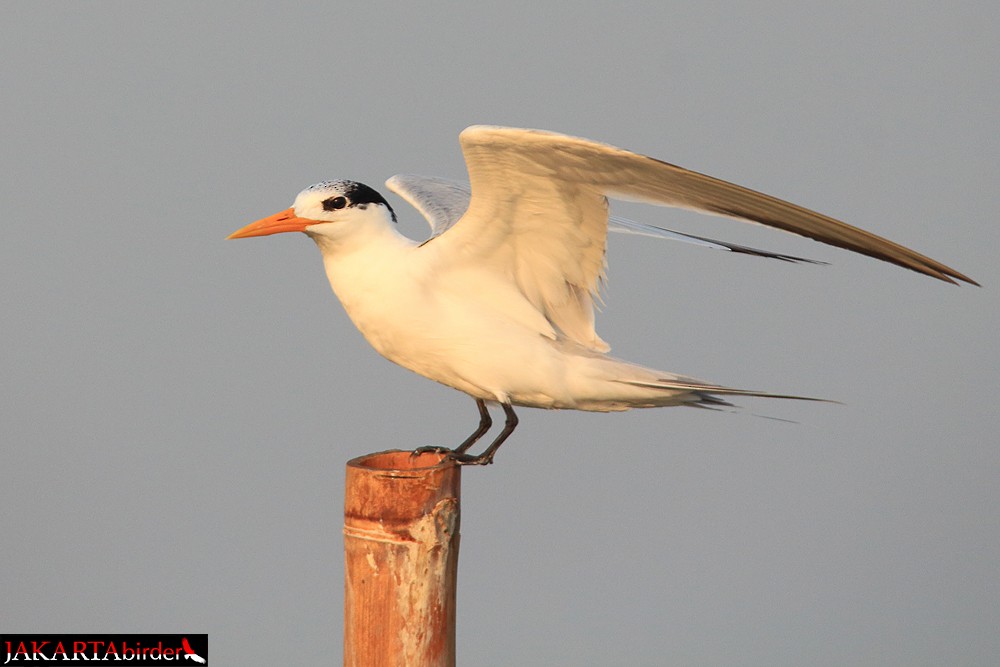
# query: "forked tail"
707, 395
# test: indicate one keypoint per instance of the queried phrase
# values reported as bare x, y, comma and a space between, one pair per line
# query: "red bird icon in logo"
189, 652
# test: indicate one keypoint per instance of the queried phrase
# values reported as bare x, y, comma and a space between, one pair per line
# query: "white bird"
499, 302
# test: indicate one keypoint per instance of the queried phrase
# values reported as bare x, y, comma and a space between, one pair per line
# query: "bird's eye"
334, 203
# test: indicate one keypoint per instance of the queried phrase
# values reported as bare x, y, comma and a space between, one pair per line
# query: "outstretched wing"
539, 213
442, 202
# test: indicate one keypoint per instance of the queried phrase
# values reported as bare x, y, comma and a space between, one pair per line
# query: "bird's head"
329, 209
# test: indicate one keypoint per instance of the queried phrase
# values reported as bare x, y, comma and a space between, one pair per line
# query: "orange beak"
275, 224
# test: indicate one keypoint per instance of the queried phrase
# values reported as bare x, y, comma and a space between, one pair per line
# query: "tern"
499, 301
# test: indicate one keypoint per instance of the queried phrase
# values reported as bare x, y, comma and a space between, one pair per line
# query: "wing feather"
539, 213
441, 201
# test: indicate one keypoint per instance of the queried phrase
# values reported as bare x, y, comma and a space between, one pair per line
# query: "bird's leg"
485, 422
486, 457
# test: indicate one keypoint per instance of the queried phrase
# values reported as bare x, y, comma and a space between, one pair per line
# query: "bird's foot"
460, 458
430, 449
470, 460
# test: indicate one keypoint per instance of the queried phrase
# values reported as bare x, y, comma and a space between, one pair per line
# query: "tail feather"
603, 383
708, 392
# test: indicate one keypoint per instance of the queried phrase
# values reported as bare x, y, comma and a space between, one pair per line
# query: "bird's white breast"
468, 327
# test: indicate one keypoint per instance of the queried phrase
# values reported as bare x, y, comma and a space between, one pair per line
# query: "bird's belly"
473, 331
482, 353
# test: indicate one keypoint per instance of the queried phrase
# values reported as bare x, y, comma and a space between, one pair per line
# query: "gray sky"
177, 409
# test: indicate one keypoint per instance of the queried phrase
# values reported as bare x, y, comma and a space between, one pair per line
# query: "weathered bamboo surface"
401, 521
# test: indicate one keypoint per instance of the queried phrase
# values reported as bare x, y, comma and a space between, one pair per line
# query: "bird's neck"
366, 266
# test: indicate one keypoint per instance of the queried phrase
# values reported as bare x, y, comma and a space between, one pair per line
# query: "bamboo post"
401, 519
